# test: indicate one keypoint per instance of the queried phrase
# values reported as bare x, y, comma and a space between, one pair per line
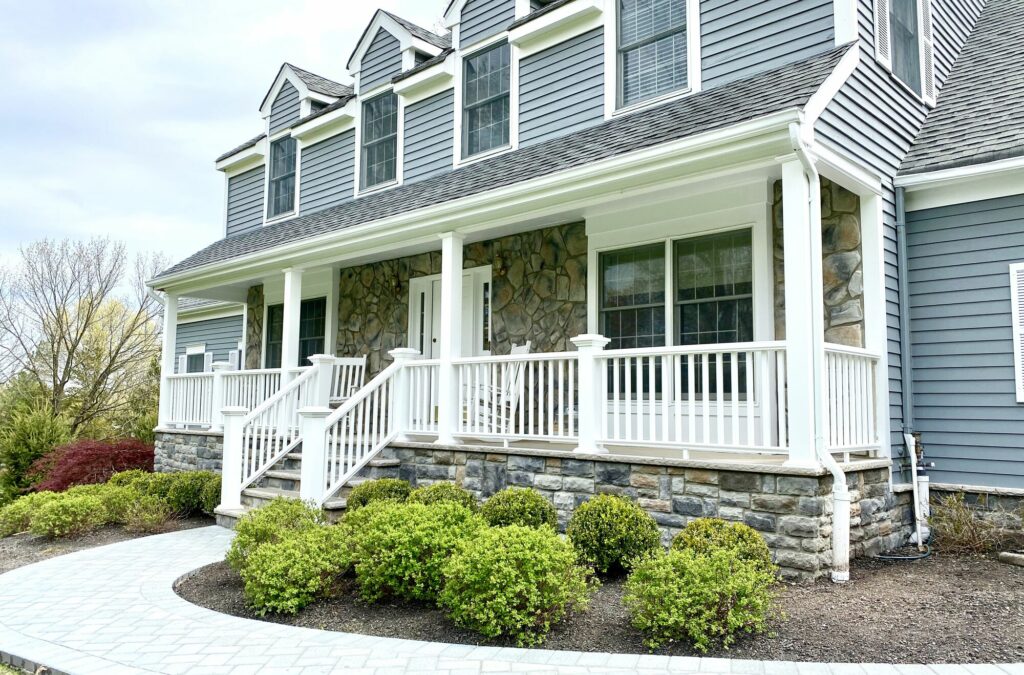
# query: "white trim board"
961, 185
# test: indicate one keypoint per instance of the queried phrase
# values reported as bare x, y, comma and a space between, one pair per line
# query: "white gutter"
840, 493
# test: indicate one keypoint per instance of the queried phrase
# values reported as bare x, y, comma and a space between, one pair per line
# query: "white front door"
425, 313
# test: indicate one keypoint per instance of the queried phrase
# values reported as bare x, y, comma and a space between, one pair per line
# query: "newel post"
591, 398
231, 464
400, 409
321, 394
313, 427
217, 396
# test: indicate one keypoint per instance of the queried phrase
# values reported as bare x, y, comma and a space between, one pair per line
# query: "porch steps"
284, 479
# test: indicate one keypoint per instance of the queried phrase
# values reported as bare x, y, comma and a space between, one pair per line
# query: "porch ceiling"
705, 114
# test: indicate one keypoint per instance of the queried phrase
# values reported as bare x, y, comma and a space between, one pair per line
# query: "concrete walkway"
112, 610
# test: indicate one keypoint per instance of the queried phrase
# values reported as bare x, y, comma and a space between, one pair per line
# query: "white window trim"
925, 44
513, 100
267, 218
195, 350
1016, 272
611, 62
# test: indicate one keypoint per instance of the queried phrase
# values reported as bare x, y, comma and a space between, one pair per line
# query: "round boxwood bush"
705, 599
269, 524
609, 532
381, 489
185, 496
68, 515
513, 581
17, 516
518, 506
443, 492
117, 500
210, 496
158, 485
130, 477
704, 535
148, 514
402, 548
289, 574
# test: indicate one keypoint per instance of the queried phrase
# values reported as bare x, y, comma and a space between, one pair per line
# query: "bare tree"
74, 319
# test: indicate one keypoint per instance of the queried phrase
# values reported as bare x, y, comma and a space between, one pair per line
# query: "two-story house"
648, 247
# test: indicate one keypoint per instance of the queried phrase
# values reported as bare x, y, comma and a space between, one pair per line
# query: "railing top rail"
832, 348
189, 376
307, 375
423, 363
253, 371
351, 402
513, 358
725, 347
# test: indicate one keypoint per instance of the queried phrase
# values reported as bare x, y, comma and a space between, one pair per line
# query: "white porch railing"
526, 396
851, 398
421, 395
725, 397
190, 399
248, 388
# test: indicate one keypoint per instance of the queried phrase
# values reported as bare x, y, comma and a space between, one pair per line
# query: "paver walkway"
112, 610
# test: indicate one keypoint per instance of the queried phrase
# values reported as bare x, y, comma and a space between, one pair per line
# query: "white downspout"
840, 493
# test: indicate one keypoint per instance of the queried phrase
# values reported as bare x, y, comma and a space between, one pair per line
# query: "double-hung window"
312, 320
485, 100
652, 50
380, 140
282, 177
906, 42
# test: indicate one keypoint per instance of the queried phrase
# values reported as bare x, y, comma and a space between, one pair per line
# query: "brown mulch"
24, 549
946, 609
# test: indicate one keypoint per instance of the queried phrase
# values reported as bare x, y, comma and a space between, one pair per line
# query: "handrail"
833, 348
360, 395
694, 349
509, 358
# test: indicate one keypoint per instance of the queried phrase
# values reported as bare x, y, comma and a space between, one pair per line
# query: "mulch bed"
25, 549
946, 609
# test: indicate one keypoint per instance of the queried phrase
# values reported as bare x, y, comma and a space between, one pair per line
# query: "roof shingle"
980, 113
769, 92
321, 85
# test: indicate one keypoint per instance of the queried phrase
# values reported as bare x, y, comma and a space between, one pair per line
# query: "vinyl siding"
285, 110
245, 202
382, 61
429, 136
327, 174
483, 18
562, 88
219, 335
961, 336
743, 37
875, 119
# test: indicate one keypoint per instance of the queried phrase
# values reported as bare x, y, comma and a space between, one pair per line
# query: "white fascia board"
244, 160
845, 22
286, 74
335, 121
851, 173
405, 39
765, 135
454, 14
557, 26
427, 82
821, 98
961, 185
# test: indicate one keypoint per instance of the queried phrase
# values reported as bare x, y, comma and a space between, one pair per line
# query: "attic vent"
1017, 314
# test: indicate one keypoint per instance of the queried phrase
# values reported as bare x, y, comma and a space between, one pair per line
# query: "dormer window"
486, 109
906, 42
652, 49
380, 140
282, 177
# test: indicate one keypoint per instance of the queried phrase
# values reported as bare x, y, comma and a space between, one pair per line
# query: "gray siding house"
701, 253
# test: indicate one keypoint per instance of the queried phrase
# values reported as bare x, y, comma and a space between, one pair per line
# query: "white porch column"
290, 329
451, 336
167, 358
591, 398
805, 341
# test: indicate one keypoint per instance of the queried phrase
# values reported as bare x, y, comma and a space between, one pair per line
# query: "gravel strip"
945, 609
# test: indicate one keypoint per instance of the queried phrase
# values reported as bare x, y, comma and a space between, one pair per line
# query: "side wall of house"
285, 110
875, 118
538, 293
220, 336
965, 402
245, 202
327, 174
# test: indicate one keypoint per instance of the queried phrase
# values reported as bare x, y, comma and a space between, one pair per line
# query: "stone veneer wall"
792, 512
538, 293
842, 273
188, 451
254, 327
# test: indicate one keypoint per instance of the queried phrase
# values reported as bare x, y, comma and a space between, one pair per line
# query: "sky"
112, 111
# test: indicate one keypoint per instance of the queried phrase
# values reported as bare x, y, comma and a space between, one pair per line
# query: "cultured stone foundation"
188, 451
792, 509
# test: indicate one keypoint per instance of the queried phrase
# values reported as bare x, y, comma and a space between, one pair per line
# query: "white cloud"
114, 110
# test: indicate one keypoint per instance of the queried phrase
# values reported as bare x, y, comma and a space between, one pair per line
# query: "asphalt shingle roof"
422, 33
432, 61
980, 113
321, 85
537, 13
244, 146
769, 92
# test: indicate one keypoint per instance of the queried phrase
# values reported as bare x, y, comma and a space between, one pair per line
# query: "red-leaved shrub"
86, 462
